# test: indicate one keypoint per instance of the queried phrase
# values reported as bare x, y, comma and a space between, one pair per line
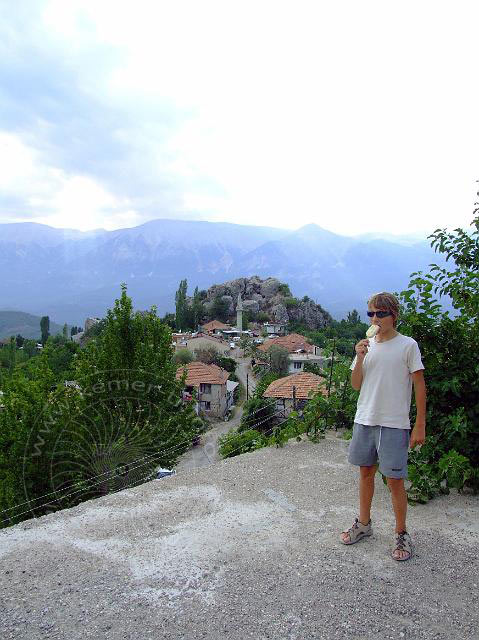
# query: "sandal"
403, 543
357, 531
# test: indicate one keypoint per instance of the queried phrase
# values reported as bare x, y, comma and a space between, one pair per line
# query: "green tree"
19, 340
45, 328
258, 413
278, 359
197, 309
450, 353
228, 364
182, 356
65, 331
208, 354
123, 416
181, 313
353, 317
219, 309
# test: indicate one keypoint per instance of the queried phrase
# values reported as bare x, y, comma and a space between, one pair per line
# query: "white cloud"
358, 117
70, 201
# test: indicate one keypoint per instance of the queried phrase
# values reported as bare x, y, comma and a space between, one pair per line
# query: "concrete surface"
245, 548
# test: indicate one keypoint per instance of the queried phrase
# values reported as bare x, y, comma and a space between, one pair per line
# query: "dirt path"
206, 453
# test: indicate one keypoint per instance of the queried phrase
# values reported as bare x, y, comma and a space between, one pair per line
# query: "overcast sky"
357, 116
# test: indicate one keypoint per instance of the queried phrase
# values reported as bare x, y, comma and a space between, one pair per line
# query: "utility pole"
247, 386
294, 398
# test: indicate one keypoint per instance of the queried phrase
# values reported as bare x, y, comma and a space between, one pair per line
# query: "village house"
210, 382
292, 392
275, 328
214, 327
300, 351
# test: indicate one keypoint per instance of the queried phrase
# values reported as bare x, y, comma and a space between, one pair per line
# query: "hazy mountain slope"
25, 324
70, 275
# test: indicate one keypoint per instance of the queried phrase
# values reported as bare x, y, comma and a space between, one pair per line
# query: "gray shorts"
390, 446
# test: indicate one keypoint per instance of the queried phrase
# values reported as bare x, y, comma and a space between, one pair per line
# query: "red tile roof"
304, 383
214, 324
200, 373
292, 342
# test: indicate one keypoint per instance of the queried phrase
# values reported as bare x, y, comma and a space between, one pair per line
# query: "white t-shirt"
385, 396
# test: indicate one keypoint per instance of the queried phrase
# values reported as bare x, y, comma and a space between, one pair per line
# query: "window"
205, 388
298, 365
206, 405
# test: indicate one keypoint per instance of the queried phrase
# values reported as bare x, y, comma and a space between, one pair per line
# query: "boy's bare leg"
399, 500
366, 492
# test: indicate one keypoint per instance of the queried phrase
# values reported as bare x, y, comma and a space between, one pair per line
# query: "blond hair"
386, 301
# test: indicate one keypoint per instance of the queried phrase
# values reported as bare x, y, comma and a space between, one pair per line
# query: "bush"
182, 356
258, 413
234, 443
450, 353
262, 316
278, 359
284, 289
228, 364
208, 355
291, 302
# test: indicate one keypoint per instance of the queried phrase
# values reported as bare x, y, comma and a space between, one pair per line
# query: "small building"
215, 327
231, 385
300, 351
210, 383
293, 392
275, 328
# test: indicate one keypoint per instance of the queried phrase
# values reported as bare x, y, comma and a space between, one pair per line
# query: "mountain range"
70, 275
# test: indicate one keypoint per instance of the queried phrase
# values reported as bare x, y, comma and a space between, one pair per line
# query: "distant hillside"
27, 325
71, 275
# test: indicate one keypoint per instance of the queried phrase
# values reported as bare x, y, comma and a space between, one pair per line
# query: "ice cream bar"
372, 330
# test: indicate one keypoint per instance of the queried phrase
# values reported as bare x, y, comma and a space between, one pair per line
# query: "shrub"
234, 443
182, 356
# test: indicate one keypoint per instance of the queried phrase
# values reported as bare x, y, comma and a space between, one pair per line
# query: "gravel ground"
244, 548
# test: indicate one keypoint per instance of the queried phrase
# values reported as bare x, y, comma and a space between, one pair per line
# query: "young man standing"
384, 370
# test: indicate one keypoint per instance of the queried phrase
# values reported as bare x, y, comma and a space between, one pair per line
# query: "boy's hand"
362, 348
418, 435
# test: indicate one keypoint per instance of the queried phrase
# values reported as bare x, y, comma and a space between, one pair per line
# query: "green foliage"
291, 302
313, 367
207, 354
258, 413
60, 445
264, 383
235, 443
228, 364
219, 309
60, 354
284, 289
181, 306
197, 311
96, 329
262, 316
182, 356
45, 328
450, 353
278, 359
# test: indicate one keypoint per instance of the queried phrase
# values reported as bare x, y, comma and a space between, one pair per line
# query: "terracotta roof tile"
292, 342
214, 324
303, 382
201, 373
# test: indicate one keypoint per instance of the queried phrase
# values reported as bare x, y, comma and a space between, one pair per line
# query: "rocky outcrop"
271, 297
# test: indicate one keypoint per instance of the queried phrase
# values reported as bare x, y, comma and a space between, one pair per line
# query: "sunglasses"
379, 314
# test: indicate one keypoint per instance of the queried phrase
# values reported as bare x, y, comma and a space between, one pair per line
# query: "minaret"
239, 313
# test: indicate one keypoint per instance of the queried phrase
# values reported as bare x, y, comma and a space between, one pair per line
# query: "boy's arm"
418, 434
357, 373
